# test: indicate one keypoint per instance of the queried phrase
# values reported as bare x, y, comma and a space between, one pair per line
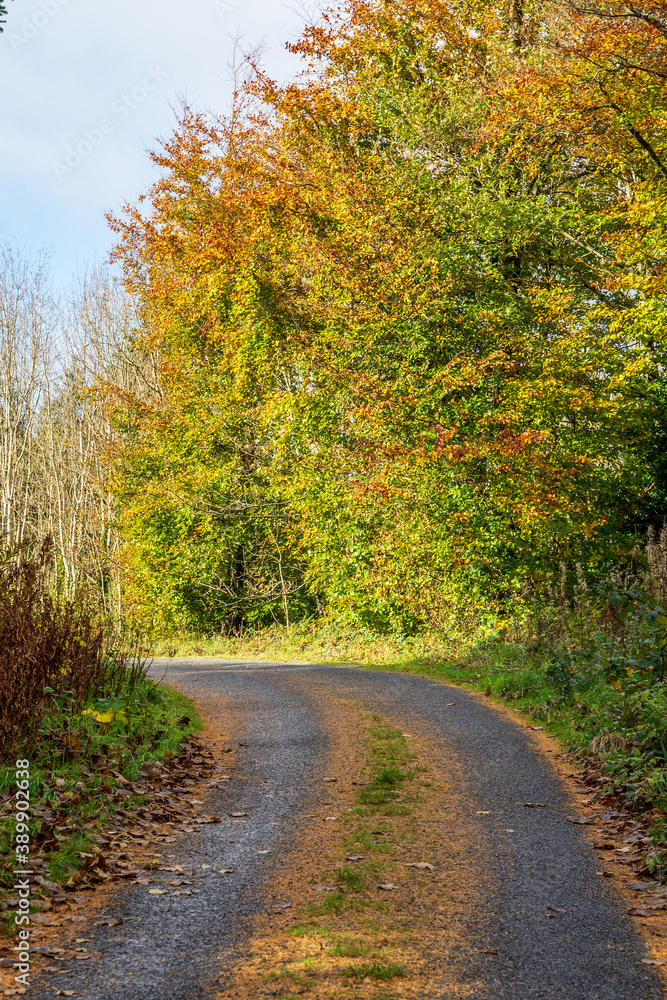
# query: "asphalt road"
172, 948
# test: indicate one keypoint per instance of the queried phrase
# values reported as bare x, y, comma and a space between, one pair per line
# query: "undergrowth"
79, 763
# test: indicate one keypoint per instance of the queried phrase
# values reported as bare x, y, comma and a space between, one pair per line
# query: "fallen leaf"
157, 892
354, 857
327, 818
483, 812
419, 864
331, 779
264, 852
237, 815
108, 922
225, 871
388, 885
556, 909
654, 961
535, 805
450, 704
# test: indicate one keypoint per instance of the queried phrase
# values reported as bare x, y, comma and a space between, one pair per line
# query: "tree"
3, 15
417, 274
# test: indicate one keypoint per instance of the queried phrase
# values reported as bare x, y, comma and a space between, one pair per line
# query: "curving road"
173, 949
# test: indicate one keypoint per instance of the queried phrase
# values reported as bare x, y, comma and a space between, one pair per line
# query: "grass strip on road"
371, 911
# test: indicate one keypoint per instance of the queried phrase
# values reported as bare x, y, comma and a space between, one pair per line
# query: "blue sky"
89, 87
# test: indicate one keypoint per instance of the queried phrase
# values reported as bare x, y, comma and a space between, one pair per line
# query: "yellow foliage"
105, 717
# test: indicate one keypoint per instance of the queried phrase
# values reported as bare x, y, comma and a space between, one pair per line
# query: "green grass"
353, 878
338, 901
311, 641
73, 768
349, 948
374, 970
294, 977
314, 929
388, 767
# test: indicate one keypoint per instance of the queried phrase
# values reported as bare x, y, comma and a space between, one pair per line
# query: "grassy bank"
314, 643
80, 763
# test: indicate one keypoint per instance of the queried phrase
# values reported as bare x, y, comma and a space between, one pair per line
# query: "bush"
53, 649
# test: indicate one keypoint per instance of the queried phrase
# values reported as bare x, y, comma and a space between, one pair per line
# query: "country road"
538, 921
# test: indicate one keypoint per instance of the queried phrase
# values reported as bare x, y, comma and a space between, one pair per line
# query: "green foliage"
390, 379
408, 321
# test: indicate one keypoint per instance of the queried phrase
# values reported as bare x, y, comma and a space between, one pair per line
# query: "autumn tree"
418, 294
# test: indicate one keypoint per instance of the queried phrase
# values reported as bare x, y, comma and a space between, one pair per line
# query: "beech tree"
428, 274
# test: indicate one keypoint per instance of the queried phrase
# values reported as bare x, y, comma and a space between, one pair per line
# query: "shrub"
53, 649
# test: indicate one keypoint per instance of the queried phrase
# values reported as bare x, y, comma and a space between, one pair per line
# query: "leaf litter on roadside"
110, 858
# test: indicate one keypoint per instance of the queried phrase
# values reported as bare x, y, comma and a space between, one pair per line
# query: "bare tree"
73, 501
28, 322
58, 358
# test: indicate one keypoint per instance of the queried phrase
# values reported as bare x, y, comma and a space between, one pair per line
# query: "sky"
89, 87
